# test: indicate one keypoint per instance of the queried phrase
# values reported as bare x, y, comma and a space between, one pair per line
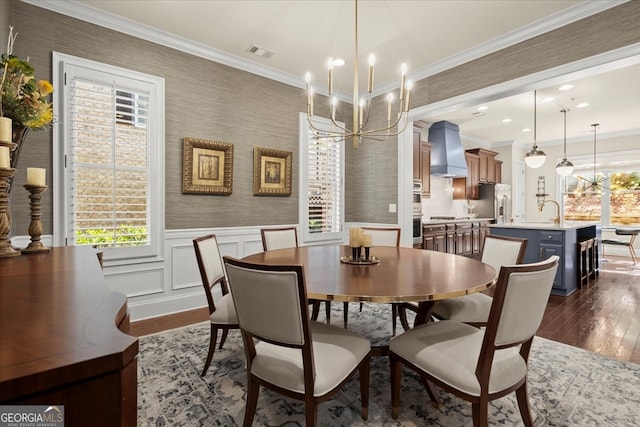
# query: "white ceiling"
429, 36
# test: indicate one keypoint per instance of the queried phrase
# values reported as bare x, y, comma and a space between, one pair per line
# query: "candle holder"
6, 174
356, 253
35, 227
367, 250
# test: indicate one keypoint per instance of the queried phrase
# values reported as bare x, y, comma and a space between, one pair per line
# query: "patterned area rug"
567, 386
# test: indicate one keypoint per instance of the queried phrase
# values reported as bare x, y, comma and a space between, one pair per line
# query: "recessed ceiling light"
506, 120
478, 114
547, 99
526, 130
582, 105
565, 87
483, 108
338, 62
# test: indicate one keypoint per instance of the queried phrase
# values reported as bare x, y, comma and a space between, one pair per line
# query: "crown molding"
101, 18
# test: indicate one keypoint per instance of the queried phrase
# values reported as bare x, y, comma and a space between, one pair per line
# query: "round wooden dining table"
402, 275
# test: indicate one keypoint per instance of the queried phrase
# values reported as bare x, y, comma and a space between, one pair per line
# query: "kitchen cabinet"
487, 167
433, 237
498, 171
545, 240
468, 188
422, 163
462, 237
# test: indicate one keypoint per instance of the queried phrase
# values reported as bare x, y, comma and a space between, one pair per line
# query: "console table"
62, 339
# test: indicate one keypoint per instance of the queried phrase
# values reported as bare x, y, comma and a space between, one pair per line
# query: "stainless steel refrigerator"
494, 202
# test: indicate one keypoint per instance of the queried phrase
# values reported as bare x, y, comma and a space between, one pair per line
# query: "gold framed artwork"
207, 167
271, 172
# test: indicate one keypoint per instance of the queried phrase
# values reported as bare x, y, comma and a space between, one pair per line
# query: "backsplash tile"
441, 202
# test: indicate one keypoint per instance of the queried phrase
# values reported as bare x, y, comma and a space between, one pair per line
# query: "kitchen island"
546, 239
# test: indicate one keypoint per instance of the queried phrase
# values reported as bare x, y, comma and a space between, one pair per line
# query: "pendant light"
534, 157
565, 167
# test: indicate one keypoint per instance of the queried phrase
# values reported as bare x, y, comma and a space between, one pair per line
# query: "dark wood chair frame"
310, 401
209, 283
483, 370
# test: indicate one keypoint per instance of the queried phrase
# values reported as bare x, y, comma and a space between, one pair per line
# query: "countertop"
454, 221
565, 225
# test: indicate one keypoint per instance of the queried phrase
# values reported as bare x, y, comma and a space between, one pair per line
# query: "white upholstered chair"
286, 351
480, 365
474, 309
383, 237
222, 313
287, 237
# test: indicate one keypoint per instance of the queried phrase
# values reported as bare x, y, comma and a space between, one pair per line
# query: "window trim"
303, 204
112, 256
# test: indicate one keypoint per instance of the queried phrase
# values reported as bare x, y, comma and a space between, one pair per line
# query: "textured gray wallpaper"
212, 101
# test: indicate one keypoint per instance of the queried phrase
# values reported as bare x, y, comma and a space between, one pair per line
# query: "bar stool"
583, 262
594, 269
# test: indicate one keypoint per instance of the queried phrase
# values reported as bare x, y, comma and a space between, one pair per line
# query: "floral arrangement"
24, 99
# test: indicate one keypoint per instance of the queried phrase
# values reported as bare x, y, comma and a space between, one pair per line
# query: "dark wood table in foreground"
403, 274
61, 339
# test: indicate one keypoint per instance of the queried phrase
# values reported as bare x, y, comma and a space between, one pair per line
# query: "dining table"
391, 275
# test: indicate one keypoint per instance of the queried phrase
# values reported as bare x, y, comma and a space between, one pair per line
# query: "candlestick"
35, 227
5, 129
36, 176
5, 219
5, 158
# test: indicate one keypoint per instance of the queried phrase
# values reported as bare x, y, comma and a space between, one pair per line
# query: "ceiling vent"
259, 51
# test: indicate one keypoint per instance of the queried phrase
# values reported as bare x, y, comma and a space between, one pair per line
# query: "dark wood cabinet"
433, 237
422, 162
468, 188
498, 171
487, 167
462, 238
63, 341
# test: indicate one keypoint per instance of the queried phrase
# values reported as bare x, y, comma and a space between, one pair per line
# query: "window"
112, 146
611, 195
321, 184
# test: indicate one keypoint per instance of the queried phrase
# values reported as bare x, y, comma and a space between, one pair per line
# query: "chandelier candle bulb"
403, 71
330, 76
5, 160
372, 61
36, 176
5, 129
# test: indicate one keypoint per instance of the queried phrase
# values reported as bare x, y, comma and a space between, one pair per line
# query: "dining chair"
222, 313
474, 309
286, 351
480, 364
287, 237
382, 236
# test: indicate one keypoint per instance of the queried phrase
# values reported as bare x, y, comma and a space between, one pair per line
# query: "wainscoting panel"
136, 280
185, 273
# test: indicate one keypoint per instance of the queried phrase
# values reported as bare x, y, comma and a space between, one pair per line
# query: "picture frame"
207, 167
272, 172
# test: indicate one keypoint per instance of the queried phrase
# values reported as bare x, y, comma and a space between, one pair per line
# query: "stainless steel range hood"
447, 154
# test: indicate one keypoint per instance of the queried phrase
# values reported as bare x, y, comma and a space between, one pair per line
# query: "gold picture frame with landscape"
207, 167
271, 172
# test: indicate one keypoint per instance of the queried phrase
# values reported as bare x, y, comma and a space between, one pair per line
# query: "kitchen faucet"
556, 219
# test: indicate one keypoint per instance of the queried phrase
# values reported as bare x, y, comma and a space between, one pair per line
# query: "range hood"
447, 155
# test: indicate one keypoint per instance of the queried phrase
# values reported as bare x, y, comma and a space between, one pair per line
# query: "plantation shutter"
110, 174
321, 184
324, 184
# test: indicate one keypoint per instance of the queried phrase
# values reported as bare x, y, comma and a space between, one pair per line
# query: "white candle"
5, 160
366, 240
36, 176
5, 129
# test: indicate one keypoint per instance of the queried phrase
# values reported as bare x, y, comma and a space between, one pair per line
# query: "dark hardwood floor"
602, 317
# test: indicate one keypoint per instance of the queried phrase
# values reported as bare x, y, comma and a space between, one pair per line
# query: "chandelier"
595, 183
361, 106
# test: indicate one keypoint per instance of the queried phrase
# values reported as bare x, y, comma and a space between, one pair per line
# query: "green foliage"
125, 235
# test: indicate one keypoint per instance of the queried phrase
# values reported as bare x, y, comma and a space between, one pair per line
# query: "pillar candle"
36, 176
366, 240
5, 160
5, 129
